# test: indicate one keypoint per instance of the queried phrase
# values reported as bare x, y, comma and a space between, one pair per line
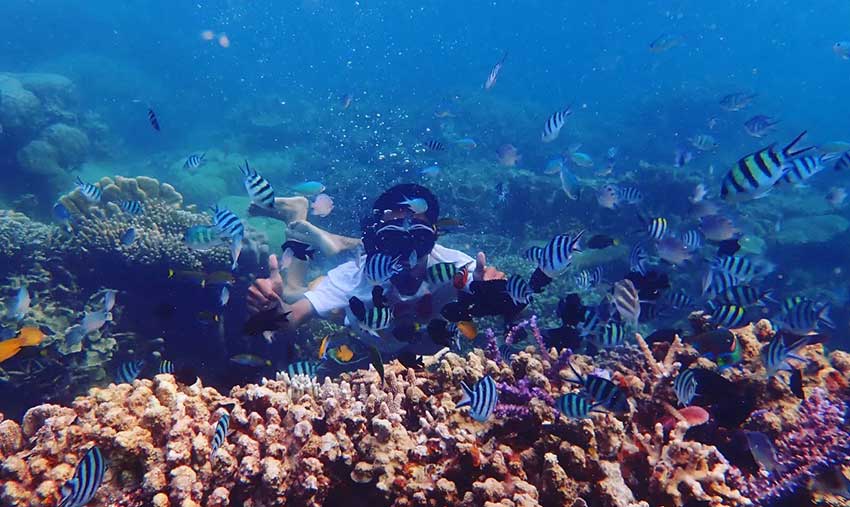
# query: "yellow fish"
467, 329
341, 354
27, 337
323, 347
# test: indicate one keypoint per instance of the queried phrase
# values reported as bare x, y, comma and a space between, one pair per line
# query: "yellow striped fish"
753, 176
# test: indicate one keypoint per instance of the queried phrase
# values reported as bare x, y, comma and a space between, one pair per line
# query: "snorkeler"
396, 229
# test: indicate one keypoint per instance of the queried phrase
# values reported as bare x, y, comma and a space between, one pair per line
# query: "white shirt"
347, 280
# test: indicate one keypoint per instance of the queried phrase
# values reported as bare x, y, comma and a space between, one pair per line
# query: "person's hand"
483, 272
264, 294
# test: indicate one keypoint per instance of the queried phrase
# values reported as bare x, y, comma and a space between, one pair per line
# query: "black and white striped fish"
259, 189
554, 124
194, 161
132, 207
305, 368
129, 371
153, 120
716, 282
434, 145
638, 259
754, 175
745, 295
589, 323
372, 320
165, 366
379, 268
741, 268
220, 433
806, 316
228, 223
777, 353
92, 193
558, 254
602, 391
610, 336
679, 300
589, 278
627, 301
481, 399
443, 272
575, 406
802, 168
692, 239
519, 290
657, 228
87, 478
629, 195
726, 315
685, 386
843, 162
533, 254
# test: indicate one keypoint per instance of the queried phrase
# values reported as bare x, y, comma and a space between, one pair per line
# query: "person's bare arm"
265, 294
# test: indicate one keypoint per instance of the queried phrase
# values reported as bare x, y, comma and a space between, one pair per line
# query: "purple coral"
819, 442
519, 398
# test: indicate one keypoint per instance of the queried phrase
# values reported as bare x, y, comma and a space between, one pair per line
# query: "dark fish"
268, 320
152, 119
87, 478
728, 247
601, 241
714, 343
481, 398
575, 406
377, 361
441, 332
300, 250
485, 297
602, 391
663, 335
220, 433
843, 162
754, 175
796, 383
651, 285
129, 371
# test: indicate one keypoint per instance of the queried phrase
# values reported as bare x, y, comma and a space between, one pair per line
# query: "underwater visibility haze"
374, 253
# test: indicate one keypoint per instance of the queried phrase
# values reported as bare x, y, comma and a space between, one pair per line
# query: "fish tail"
824, 318
789, 150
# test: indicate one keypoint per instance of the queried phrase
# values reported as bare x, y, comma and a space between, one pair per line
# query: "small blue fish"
417, 205
93, 321
309, 188
74, 335
165, 367
224, 297
20, 305
430, 171
109, 300
91, 192
87, 478
194, 161
128, 237
481, 399
62, 216
129, 371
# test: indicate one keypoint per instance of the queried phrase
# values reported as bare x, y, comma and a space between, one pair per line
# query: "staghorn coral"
296, 442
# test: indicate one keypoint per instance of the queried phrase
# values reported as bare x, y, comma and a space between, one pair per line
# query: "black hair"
391, 200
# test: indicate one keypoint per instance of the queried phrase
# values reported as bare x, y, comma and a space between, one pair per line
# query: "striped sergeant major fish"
746, 295
777, 353
678, 300
519, 291
372, 320
629, 195
220, 433
754, 175
638, 259
610, 336
802, 316
803, 168
685, 386
129, 371
843, 161
716, 282
589, 278
153, 119
165, 367
576, 406
657, 228
227, 222
533, 254
259, 189
589, 323
494, 73
601, 390
692, 239
726, 315
481, 399
132, 207
194, 161
92, 193
441, 273
87, 478
742, 268
303, 368
380, 267
557, 255
434, 145
554, 124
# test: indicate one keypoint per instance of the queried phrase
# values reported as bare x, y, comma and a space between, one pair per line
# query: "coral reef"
296, 442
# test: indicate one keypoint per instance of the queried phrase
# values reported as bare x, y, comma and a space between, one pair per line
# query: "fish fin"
357, 307
467, 396
789, 150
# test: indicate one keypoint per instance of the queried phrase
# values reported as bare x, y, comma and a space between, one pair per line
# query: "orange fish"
342, 354
28, 337
323, 347
461, 278
467, 329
